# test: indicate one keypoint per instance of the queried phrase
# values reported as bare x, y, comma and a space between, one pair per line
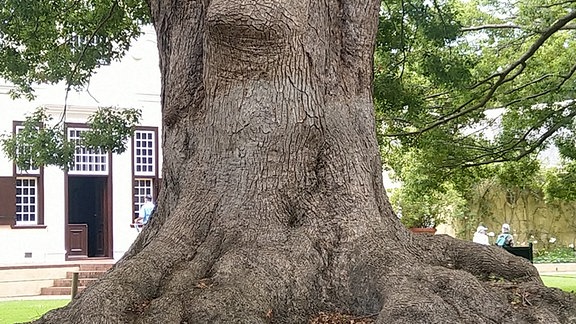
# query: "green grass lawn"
19, 311
564, 282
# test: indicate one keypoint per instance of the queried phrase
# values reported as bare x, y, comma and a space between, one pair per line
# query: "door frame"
108, 217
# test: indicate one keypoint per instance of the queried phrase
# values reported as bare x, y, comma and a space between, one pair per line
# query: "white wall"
132, 83
122, 209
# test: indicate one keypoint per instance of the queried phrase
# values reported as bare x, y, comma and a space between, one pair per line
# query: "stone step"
95, 267
86, 274
68, 282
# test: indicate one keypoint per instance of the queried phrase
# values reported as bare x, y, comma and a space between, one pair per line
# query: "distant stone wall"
531, 218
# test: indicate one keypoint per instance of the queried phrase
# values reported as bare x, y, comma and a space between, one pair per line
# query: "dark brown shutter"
7, 200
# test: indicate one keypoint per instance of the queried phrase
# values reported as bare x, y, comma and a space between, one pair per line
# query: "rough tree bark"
273, 208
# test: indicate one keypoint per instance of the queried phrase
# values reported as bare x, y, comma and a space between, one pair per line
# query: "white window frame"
24, 207
86, 161
144, 153
34, 171
142, 187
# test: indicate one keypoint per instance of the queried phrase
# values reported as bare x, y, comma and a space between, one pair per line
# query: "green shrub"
556, 255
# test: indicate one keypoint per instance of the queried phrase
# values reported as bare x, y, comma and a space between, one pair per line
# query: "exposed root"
367, 282
337, 318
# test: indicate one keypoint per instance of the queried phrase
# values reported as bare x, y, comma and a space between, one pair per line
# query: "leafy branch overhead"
478, 81
38, 142
42, 45
462, 88
110, 129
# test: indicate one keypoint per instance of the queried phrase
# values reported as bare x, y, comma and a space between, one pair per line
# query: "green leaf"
110, 129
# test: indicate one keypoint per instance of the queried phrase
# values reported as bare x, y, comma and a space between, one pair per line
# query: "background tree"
423, 199
494, 79
474, 83
272, 206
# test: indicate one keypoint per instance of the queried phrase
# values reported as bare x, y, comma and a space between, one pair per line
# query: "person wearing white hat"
480, 236
505, 238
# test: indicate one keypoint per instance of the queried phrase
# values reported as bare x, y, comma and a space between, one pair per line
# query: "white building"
48, 216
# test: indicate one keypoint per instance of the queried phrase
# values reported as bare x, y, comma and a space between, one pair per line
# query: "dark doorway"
87, 205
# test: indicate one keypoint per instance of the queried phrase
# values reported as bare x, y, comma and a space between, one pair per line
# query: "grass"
19, 311
565, 282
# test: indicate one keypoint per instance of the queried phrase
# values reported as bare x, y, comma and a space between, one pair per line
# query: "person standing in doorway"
144, 213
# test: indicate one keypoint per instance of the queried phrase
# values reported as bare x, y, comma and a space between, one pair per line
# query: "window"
144, 165
18, 128
26, 201
82, 43
87, 161
23, 196
142, 188
145, 153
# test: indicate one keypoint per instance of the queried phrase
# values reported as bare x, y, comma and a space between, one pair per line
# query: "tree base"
438, 280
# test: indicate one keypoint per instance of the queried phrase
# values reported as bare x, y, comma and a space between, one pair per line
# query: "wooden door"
77, 241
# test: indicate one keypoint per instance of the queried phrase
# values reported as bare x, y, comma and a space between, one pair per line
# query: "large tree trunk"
272, 208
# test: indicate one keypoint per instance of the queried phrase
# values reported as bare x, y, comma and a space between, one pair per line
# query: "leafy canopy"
110, 129
50, 41
476, 81
462, 85
37, 143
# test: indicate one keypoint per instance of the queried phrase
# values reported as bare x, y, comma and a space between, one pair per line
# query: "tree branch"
77, 64
502, 77
542, 93
524, 152
509, 26
556, 4
545, 76
492, 26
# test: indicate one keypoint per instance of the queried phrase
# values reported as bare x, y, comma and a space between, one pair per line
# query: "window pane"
26, 199
144, 153
142, 188
87, 161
